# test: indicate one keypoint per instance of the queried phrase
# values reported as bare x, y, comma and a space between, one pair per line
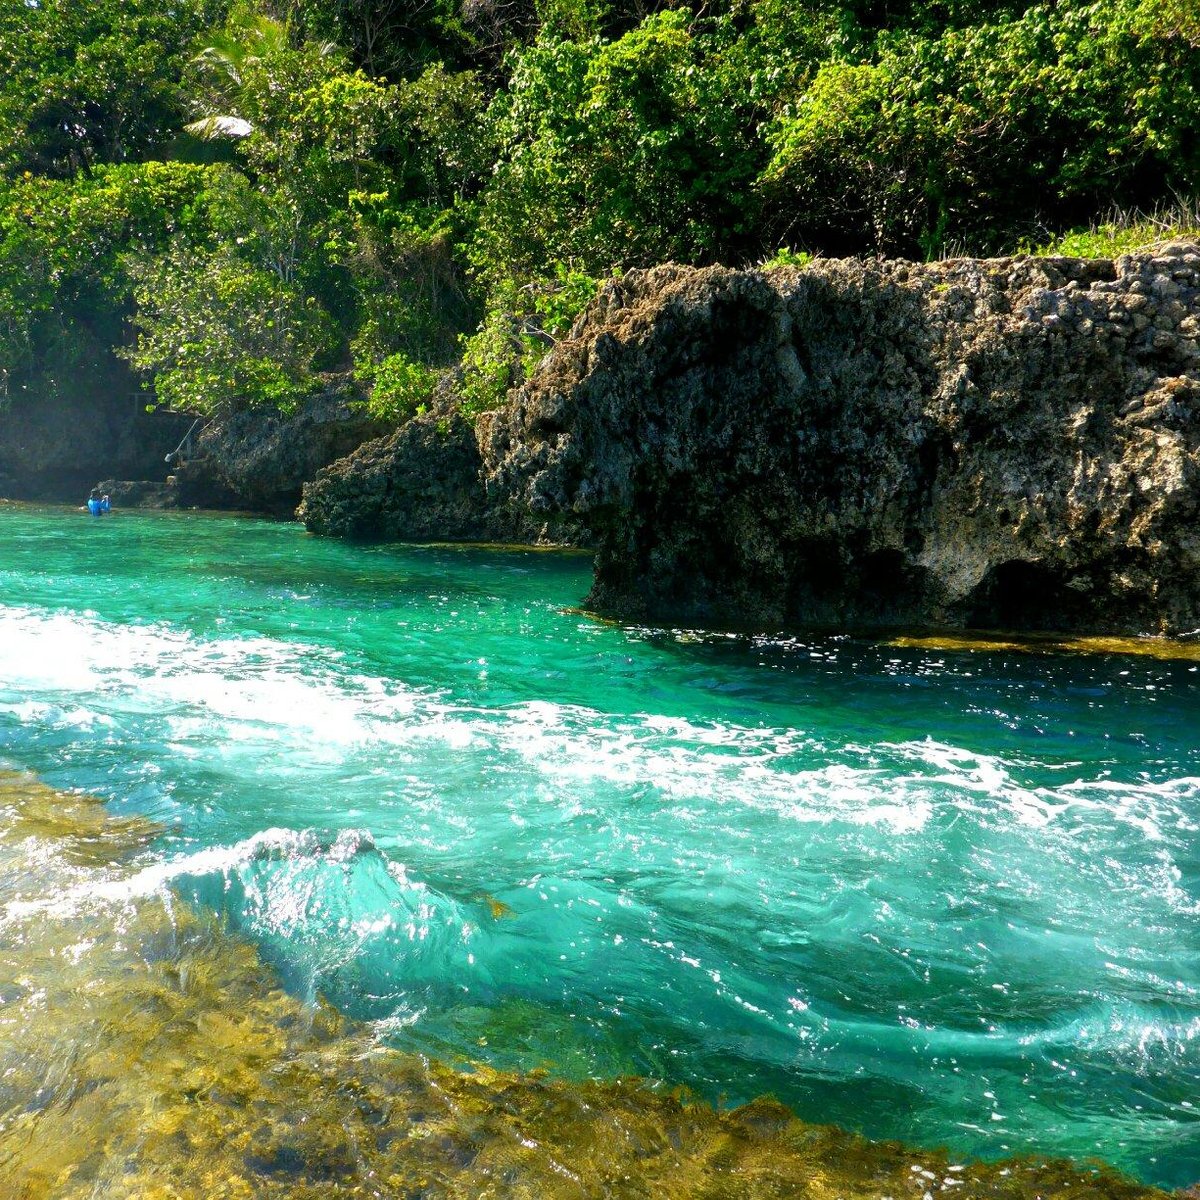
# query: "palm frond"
219, 126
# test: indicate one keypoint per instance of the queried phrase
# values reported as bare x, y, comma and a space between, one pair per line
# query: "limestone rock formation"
421, 483
1001, 443
260, 460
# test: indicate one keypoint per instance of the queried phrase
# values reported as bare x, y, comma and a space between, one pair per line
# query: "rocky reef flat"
1006, 443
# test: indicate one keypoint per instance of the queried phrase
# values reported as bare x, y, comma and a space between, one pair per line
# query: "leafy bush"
219, 334
786, 257
614, 154
984, 131
63, 247
495, 358
520, 327
399, 388
1126, 231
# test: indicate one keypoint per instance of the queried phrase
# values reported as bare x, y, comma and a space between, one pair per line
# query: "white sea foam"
157, 878
226, 699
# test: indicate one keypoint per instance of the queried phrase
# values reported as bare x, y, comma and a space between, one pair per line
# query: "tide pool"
934, 894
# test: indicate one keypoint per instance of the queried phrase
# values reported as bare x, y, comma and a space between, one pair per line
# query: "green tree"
91, 83
219, 334
983, 134
337, 215
247, 319
616, 153
63, 248
390, 39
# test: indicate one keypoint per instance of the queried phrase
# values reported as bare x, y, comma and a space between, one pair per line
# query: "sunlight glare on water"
925, 893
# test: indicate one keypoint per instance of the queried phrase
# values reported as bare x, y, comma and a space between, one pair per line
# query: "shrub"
400, 388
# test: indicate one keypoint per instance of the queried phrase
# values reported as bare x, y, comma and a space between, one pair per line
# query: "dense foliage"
241, 198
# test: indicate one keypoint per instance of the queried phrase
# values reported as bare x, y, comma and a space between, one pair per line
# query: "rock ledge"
997, 443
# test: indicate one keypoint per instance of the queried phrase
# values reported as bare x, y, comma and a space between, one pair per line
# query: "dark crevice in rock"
1023, 595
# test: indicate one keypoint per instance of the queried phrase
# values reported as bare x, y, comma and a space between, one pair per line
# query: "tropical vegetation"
243, 199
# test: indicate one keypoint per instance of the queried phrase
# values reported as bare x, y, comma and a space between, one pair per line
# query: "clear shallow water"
951, 898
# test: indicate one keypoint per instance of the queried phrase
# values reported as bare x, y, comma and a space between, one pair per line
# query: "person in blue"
97, 504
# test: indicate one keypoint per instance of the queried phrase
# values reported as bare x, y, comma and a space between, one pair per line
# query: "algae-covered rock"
148, 1054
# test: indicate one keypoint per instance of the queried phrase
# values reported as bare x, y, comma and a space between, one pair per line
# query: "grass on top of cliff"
1126, 231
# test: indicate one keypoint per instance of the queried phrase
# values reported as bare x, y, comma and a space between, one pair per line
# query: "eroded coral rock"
999, 443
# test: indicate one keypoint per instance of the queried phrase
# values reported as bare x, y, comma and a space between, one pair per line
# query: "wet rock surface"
999, 443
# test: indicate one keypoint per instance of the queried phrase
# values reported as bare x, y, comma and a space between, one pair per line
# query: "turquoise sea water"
947, 897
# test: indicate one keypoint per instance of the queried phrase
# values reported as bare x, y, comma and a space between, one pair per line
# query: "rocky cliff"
1004, 443
260, 459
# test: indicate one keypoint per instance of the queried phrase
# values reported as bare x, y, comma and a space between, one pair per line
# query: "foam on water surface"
924, 893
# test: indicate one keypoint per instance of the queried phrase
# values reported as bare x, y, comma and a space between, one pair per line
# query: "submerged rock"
1000, 443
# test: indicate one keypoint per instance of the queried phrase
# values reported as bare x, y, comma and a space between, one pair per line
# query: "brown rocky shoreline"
1007, 443
970, 443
